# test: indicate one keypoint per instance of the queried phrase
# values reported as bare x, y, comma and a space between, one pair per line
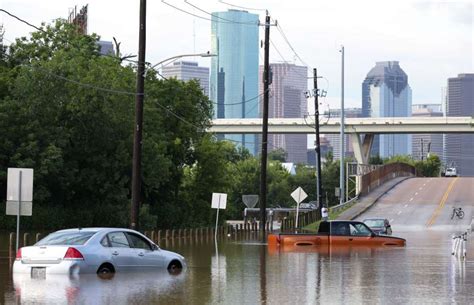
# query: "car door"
123, 256
147, 256
340, 235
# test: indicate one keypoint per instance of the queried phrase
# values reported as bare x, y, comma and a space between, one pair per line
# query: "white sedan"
94, 250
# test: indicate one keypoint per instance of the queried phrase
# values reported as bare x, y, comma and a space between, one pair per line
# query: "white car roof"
96, 229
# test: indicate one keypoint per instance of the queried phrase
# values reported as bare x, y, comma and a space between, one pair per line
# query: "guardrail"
343, 205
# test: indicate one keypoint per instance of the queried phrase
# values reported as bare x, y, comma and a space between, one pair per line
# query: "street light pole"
342, 176
137, 134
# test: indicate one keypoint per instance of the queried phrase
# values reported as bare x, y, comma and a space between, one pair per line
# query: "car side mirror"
155, 247
373, 234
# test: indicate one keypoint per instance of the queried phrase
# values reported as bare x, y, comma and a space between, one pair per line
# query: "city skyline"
434, 41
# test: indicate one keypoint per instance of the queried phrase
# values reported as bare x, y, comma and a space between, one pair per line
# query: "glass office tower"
386, 93
234, 71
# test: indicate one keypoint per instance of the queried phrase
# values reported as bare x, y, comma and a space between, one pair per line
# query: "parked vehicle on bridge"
94, 250
451, 172
335, 233
379, 225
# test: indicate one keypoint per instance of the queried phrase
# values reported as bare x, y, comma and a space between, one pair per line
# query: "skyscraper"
386, 93
106, 47
234, 71
287, 100
422, 144
188, 70
459, 149
335, 139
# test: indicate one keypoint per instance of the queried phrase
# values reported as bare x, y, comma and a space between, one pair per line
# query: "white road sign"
13, 184
299, 195
219, 201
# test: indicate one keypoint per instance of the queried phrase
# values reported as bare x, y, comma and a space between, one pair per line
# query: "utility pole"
137, 134
263, 170
343, 154
317, 142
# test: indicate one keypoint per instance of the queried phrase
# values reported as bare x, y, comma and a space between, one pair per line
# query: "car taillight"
73, 253
18, 255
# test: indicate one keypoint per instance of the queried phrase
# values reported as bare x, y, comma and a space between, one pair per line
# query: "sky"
432, 40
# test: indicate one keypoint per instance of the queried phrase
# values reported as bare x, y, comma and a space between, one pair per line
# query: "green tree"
56, 119
278, 154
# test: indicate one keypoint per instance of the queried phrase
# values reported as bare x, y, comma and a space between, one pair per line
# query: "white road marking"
406, 205
416, 193
411, 199
399, 212
391, 220
420, 188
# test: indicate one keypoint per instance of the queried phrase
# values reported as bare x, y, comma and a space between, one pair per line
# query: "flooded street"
243, 271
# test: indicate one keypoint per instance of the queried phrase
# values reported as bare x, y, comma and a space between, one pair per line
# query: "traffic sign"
299, 195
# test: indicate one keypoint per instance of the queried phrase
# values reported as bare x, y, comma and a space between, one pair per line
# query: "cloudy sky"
432, 40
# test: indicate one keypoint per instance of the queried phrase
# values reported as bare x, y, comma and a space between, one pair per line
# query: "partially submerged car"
336, 233
94, 250
379, 225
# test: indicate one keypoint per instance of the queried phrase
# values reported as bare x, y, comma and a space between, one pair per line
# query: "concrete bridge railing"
375, 178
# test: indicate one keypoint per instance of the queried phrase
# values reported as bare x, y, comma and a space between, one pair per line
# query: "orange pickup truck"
335, 233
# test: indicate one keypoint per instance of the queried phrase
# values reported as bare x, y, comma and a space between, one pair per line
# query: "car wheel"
105, 269
175, 267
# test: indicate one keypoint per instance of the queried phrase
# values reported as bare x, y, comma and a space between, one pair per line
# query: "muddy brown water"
243, 271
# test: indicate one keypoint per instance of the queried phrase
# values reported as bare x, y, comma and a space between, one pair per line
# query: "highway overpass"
353, 126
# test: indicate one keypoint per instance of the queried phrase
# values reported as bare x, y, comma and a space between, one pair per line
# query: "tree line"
68, 112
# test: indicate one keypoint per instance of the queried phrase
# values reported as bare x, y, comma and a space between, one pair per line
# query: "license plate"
38, 272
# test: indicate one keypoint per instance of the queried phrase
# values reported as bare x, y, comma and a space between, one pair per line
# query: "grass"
332, 216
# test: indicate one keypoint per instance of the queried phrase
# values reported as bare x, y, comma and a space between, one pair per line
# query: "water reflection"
123, 288
241, 270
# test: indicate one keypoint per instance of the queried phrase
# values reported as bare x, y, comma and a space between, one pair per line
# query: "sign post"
298, 195
219, 201
19, 195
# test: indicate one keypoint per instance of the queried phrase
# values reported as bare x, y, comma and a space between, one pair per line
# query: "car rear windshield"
374, 222
66, 238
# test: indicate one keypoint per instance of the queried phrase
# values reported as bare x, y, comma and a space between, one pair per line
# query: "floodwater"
243, 271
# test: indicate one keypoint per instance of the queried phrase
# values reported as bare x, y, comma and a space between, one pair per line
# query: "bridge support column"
361, 153
362, 148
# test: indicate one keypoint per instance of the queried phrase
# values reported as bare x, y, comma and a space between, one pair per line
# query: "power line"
218, 17
240, 103
200, 17
21, 20
125, 58
243, 7
279, 28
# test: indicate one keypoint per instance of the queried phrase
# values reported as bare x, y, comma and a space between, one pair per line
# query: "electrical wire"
243, 7
197, 16
280, 29
218, 17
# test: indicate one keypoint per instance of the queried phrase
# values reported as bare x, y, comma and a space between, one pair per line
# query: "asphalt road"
420, 203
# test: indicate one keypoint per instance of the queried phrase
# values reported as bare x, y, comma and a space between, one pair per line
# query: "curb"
377, 198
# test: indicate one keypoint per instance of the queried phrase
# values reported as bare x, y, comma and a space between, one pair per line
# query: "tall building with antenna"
386, 93
234, 71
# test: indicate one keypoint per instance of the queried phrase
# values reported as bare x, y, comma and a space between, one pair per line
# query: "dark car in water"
379, 225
